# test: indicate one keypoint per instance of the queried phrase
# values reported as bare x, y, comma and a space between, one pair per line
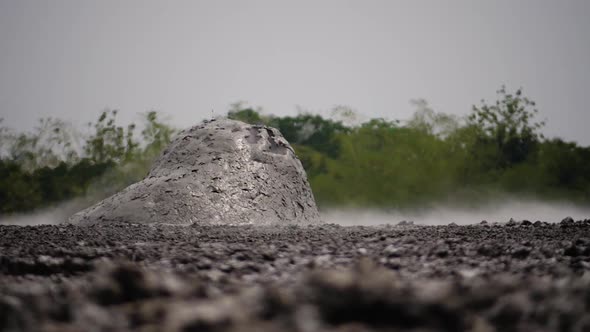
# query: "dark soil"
513, 277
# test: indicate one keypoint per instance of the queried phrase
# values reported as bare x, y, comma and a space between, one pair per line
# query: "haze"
191, 59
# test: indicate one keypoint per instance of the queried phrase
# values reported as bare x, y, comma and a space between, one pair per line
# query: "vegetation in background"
430, 158
55, 162
435, 157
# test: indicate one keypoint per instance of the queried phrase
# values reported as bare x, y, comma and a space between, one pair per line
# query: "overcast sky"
72, 59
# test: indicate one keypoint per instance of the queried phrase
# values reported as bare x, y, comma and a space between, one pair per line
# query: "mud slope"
221, 172
517, 277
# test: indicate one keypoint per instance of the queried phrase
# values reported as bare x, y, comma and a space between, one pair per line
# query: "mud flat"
125, 277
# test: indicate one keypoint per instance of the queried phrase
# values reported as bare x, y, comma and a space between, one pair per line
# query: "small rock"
567, 221
269, 255
204, 316
442, 253
573, 251
489, 250
127, 283
336, 295
14, 316
392, 251
509, 311
521, 252
526, 223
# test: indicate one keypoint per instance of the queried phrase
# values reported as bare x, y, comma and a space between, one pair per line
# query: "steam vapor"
500, 211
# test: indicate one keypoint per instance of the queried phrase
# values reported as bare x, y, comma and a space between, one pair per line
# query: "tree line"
56, 162
431, 158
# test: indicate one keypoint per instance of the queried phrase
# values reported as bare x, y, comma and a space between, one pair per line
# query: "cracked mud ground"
516, 277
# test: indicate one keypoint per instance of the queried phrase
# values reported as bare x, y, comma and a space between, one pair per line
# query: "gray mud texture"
520, 276
220, 172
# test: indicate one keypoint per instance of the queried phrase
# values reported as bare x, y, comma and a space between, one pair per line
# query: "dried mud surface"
124, 277
221, 172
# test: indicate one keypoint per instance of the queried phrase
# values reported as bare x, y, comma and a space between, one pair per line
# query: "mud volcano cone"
220, 172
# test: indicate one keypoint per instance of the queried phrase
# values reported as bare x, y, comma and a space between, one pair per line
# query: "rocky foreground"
512, 277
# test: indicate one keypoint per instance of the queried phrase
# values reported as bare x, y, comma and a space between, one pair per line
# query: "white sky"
71, 59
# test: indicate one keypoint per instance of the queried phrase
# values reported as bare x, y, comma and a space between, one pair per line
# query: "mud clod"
207, 176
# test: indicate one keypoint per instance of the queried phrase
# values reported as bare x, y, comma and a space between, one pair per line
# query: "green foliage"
52, 142
426, 120
51, 165
312, 131
568, 165
435, 156
139, 157
305, 129
383, 164
156, 135
109, 142
238, 111
432, 157
508, 126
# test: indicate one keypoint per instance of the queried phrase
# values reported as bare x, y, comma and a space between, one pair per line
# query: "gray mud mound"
220, 172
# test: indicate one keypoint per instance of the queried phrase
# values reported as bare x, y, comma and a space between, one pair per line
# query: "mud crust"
129, 277
221, 172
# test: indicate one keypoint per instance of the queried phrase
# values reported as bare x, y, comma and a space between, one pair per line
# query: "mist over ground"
47, 216
501, 211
